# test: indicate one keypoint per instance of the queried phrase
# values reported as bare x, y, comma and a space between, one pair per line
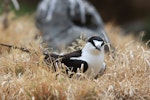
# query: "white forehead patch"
97, 43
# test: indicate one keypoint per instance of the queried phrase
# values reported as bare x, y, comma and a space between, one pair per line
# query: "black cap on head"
97, 38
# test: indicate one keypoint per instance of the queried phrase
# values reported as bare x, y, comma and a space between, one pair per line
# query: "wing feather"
72, 65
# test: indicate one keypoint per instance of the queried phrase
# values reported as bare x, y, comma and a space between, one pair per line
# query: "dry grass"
25, 76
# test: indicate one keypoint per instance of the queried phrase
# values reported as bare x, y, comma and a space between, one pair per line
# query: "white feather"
98, 43
94, 58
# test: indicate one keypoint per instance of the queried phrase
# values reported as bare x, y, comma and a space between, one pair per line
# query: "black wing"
71, 64
74, 64
56, 56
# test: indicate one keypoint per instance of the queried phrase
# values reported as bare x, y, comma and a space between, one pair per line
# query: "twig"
15, 47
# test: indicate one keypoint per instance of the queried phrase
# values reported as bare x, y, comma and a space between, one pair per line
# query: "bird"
90, 57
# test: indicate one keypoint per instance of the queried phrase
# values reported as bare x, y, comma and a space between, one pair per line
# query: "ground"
26, 76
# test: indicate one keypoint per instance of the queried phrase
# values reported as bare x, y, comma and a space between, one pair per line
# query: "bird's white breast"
94, 61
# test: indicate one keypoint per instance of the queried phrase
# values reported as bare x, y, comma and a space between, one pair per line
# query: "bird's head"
95, 44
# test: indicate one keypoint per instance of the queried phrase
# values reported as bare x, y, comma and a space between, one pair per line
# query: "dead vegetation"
25, 76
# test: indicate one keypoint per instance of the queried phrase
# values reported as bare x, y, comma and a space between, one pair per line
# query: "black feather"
95, 38
71, 64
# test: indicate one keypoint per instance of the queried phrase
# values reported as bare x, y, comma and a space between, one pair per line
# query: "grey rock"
62, 21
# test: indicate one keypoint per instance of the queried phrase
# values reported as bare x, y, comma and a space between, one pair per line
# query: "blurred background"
133, 16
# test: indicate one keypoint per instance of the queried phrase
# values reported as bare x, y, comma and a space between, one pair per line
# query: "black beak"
98, 48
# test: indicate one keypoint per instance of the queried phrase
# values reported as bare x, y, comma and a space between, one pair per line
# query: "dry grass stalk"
25, 76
